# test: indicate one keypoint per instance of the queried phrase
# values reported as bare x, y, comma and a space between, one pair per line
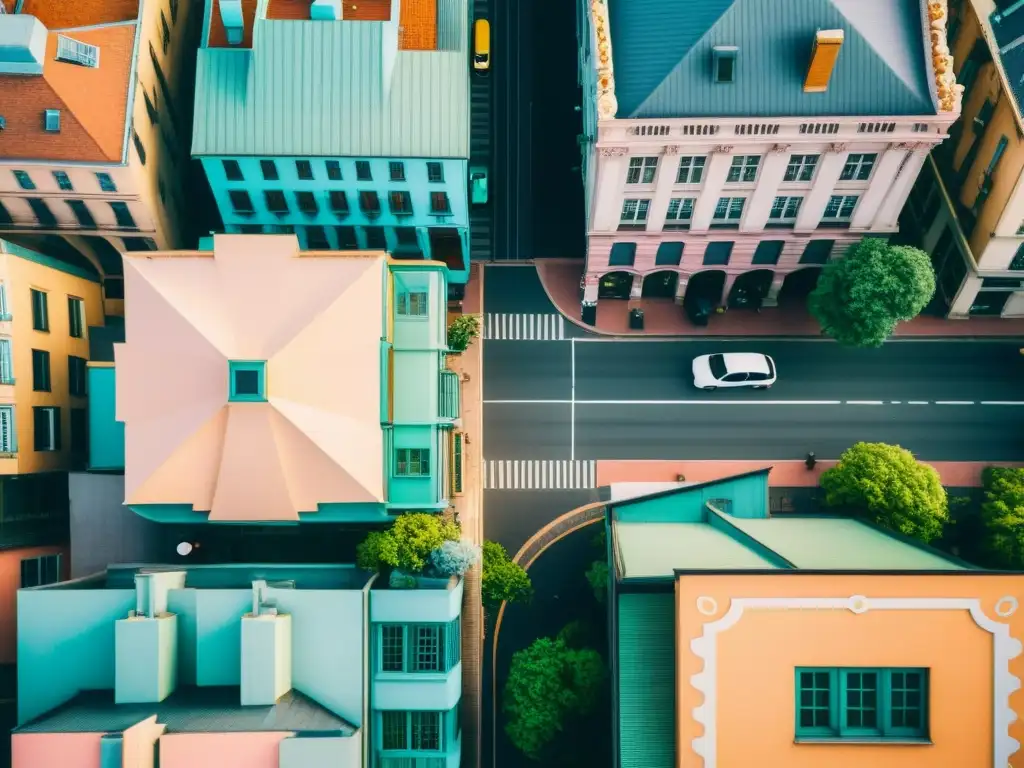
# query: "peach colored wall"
221, 750
756, 658
67, 750
10, 582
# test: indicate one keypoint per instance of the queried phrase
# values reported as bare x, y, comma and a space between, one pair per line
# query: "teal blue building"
345, 671
349, 129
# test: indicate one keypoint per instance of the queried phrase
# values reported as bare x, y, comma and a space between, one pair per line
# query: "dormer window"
51, 120
723, 58
74, 52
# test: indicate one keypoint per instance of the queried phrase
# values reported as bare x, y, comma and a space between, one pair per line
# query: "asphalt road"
596, 399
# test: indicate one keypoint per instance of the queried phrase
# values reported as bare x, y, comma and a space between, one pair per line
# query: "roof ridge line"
743, 537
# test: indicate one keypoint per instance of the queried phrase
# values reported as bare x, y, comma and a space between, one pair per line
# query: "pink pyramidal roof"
313, 317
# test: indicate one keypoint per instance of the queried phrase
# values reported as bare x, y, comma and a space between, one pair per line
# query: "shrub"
1003, 514
461, 332
454, 558
503, 580
407, 544
597, 575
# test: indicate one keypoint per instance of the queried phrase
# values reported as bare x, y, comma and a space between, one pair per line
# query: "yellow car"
481, 45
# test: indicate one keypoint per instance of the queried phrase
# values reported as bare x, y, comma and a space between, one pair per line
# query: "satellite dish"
184, 549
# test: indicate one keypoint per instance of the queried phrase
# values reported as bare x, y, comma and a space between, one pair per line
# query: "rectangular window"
316, 239
276, 202
40, 370
801, 168
861, 703
347, 240
784, 210
723, 59
122, 215
40, 311
307, 203
79, 431
412, 462
858, 167
140, 148
691, 170
241, 202
363, 171
76, 376
232, 170
634, 211
24, 180
392, 648
369, 203
435, 173
840, 208
6, 362
680, 210
426, 649
768, 252
76, 317
817, 252
394, 729
46, 428
63, 180
718, 253
425, 733
997, 155
743, 169
406, 236
42, 212
439, 205
269, 170
728, 210
400, 203
412, 304
396, 170
334, 170
8, 431
106, 182
82, 213
304, 169
642, 170
338, 201
40, 571
375, 238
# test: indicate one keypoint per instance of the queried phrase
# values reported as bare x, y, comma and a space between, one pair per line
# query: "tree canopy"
1003, 514
547, 683
886, 484
407, 544
861, 297
503, 580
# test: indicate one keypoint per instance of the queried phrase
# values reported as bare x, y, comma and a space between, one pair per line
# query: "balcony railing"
412, 762
448, 395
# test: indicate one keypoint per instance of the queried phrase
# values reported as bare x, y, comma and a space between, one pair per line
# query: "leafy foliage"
462, 330
547, 682
454, 558
1003, 514
503, 580
861, 297
407, 544
886, 484
576, 634
597, 575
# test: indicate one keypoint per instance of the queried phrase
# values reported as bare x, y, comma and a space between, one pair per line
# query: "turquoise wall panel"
182, 603
219, 635
420, 490
410, 606
421, 332
748, 497
346, 513
170, 513
65, 645
308, 751
398, 690
106, 433
417, 381
679, 507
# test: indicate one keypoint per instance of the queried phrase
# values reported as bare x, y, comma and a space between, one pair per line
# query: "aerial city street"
500, 384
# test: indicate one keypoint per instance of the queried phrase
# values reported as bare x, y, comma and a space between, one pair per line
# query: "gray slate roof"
190, 710
662, 53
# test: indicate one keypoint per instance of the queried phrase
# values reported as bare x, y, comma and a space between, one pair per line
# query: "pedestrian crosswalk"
518, 326
540, 475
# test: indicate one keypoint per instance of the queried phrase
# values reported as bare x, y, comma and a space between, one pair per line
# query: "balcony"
448, 406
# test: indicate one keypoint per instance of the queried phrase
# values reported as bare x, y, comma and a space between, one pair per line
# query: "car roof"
746, 362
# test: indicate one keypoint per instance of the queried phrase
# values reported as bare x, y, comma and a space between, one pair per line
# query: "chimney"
266, 651
325, 10
22, 44
231, 17
146, 643
827, 43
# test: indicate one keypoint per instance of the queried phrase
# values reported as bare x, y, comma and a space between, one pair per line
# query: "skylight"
74, 52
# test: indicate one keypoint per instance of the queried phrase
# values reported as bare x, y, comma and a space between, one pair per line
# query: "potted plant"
461, 332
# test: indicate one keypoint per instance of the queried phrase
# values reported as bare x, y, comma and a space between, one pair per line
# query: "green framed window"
419, 648
412, 462
247, 381
420, 731
40, 311
861, 703
412, 304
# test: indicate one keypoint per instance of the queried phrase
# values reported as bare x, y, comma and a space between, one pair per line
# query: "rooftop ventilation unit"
51, 120
325, 10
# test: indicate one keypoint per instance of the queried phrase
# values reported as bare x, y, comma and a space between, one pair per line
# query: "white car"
733, 369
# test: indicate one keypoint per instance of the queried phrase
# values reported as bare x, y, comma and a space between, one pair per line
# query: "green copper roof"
314, 88
662, 52
651, 550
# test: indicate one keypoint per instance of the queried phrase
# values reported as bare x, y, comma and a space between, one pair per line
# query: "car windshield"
717, 363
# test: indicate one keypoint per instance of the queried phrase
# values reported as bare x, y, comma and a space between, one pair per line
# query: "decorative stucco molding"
722, 149
780, 148
1005, 648
912, 146
837, 146
949, 92
607, 105
614, 151
672, 149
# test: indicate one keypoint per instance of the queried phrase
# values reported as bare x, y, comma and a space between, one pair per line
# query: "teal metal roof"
312, 88
653, 550
647, 684
662, 53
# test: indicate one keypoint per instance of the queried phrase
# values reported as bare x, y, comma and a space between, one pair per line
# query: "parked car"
478, 185
481, 45
733, 369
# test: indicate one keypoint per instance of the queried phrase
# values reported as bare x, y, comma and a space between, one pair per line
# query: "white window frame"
744, 168
413, 304
8, 430
800, 166
785, 209
6, 360
680, 209
642, 170
691, 169
76, 52
728, 206
635, 210
856, 163
843, 205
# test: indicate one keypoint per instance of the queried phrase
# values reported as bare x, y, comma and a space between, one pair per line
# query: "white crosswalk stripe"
540, 475
514, 326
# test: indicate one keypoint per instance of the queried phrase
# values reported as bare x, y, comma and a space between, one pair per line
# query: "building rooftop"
662, 57
227, 576
1008, 26
92, 101
667, 546
190, 709
311, 322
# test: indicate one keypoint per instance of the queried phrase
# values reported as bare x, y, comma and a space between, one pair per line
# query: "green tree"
597, 575
861, 297
461, 332
503, 580
548, 682
1003, 514
886, 484
407, 544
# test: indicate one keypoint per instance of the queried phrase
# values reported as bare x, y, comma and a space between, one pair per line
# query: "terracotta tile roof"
62, 14
417, 25
93, 102
288, 10
366, 10
218, 37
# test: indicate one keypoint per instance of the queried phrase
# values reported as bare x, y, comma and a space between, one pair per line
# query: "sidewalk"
663, 317
469, 508
787, 474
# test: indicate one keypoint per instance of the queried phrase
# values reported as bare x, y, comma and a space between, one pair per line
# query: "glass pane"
861, 704
393, 731
392, 647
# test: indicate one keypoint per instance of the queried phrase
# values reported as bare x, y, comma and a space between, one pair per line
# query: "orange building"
740, 638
